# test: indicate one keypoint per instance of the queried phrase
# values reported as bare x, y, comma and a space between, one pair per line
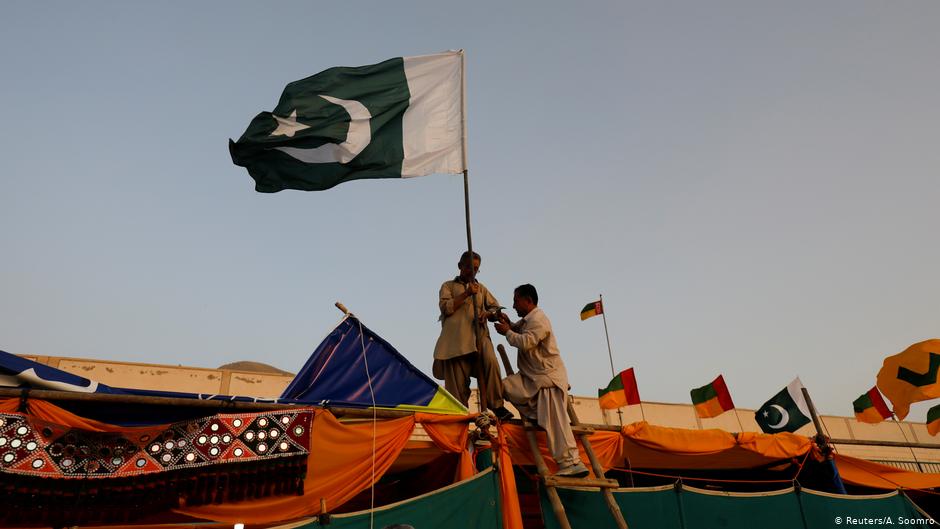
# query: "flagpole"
738, 417
481, 386
610, 354
463, 151
823, 442
911, 448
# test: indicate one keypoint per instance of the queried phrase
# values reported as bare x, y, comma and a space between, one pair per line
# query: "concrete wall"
172, 378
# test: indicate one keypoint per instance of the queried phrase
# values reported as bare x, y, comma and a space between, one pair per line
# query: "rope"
800, 468
375, 419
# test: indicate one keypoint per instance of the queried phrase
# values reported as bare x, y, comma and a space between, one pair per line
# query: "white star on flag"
288, 126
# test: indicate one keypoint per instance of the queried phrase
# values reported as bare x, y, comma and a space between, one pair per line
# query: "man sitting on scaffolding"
540, 388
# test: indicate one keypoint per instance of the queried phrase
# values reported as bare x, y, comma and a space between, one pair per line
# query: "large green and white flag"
399, 118
786, 411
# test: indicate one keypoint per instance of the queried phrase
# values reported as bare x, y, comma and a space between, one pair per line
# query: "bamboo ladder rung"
581, 429
564, 481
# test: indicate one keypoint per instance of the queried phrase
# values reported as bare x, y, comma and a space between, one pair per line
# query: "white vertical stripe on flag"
432, 127
795, 389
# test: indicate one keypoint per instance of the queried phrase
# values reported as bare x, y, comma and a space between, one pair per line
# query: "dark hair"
528, 291
466, 255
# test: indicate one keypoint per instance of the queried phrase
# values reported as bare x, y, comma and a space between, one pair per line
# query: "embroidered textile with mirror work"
224, 457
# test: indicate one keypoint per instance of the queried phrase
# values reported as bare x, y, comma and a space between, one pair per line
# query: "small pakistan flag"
399, 118
786, 411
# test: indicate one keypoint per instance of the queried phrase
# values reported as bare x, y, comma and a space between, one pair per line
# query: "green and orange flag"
622, 391
911, 376
933, 420
871, 408
592, 309
711, 400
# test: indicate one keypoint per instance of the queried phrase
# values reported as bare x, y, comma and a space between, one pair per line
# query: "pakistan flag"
786, 411
399, 118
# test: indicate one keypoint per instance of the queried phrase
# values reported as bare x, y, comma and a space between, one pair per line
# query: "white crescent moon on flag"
784, 417
357, 139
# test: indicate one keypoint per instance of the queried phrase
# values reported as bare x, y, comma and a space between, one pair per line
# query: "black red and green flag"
871, 407
711, 400
592, 309
933, 420
622, 391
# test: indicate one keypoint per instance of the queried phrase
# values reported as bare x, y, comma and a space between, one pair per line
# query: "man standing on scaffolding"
464, 348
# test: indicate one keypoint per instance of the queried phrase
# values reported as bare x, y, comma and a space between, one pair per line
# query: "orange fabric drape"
775, 446
875, 475
49, 412
608, 447
679, 441
449, 433
10, 405
512, 512
650, 446
340, 466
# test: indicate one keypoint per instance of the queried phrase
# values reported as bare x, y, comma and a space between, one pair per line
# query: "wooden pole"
481, 385
212, 406
507, 366
553, 498
477, 332
823, 442
610, 354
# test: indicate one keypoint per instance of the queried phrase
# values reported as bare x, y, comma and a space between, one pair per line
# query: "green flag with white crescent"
399, 118
786, 411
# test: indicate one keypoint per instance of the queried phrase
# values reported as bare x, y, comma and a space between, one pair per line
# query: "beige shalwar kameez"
457, 357
540, 388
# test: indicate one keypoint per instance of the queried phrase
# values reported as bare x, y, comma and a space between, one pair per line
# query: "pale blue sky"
752, 186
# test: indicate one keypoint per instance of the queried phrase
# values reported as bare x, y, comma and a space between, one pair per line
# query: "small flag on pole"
871, 408
711, 400
933, 420
592, 309
786, 411
622, 391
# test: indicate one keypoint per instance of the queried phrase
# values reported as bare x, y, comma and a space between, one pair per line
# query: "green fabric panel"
615, 385
704, 394
471, 504
933, 414
821, 511
862, 403
665, 509
641, 509
706, 511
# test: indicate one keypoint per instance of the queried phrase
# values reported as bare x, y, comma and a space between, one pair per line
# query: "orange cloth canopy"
340, 463
649, 446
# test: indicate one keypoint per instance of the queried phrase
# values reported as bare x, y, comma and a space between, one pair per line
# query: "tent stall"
340, 441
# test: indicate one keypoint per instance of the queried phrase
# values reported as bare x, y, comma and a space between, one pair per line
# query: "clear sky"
753, 186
